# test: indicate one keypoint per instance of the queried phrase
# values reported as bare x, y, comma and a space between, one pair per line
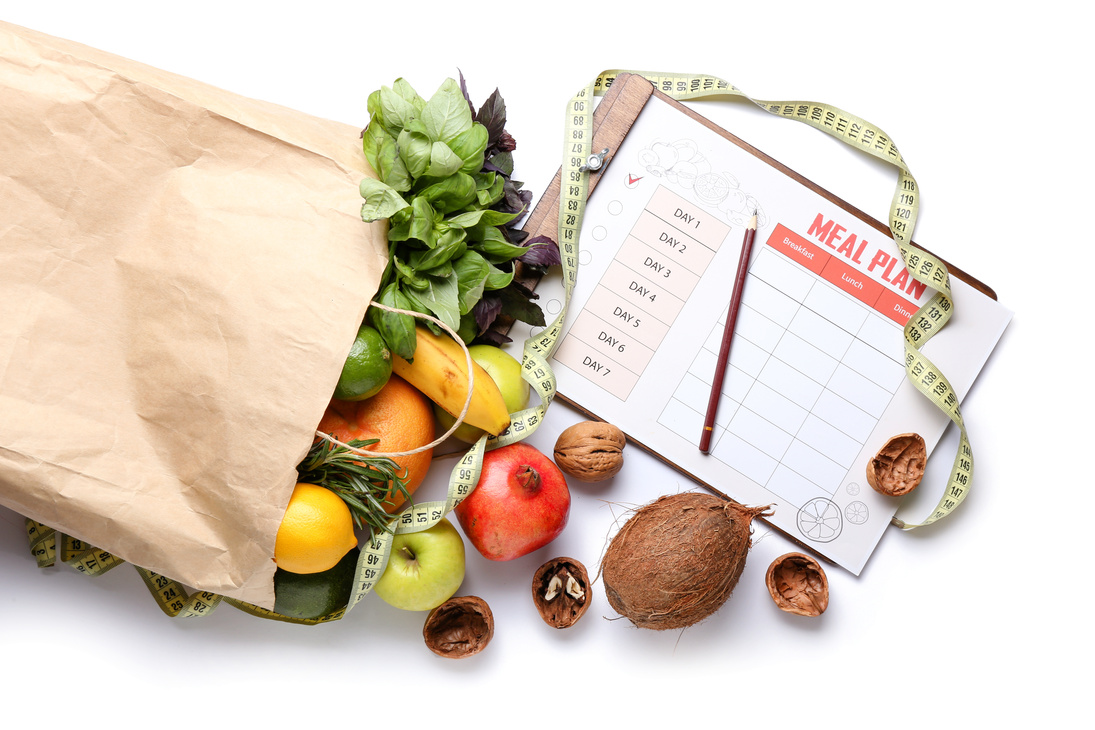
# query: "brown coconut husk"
676, 560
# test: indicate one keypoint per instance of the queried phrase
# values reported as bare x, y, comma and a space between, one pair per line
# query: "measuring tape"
48, 546
858, 133
579, 161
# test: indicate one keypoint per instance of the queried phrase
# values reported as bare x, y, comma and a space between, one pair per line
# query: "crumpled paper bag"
182, 273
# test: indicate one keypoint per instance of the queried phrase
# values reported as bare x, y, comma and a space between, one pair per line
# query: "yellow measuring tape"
48, 546
175, 601
861, 135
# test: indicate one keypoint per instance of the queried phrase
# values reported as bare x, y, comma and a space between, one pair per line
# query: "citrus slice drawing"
820, 520
711, 188
857, 513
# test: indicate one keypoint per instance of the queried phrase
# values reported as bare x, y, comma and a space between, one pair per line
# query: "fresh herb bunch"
445, 184
365, 483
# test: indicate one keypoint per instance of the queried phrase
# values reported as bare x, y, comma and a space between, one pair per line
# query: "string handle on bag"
459, 419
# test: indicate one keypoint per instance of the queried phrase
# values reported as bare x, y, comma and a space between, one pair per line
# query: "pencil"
728, 336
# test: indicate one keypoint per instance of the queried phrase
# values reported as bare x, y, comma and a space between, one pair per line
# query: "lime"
314, 595
367, 367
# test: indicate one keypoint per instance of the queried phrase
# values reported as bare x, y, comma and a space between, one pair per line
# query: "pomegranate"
520, 504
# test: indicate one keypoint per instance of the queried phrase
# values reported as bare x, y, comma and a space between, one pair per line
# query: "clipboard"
842, 505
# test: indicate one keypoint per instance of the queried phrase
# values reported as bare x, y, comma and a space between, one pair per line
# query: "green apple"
505, 371
424, 569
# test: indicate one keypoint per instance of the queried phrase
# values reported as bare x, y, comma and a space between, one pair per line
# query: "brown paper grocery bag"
182, 272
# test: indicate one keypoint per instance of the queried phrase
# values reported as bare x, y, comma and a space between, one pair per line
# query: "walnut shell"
798, 584
899, 465
590, 451
460, 627
560, 590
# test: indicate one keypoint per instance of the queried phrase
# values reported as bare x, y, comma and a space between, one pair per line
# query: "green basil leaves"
444, 184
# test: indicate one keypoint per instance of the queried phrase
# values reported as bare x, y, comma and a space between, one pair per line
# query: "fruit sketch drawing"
819, 520
681, 163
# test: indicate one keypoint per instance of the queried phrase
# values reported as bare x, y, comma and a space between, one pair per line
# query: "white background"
978, 618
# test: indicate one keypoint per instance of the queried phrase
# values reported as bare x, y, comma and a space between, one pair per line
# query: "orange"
316, 531
400, 416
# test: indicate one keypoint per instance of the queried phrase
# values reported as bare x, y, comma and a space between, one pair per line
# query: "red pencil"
728, 335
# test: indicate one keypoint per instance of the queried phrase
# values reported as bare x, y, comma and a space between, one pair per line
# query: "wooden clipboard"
613, 119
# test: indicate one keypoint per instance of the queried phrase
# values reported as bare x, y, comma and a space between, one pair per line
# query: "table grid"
811, 371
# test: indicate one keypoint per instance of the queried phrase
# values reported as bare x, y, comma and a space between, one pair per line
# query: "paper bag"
182, 273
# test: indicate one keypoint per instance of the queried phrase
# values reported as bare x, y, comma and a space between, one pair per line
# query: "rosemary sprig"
365, 483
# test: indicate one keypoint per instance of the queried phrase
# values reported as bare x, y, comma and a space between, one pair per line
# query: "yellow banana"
440, 371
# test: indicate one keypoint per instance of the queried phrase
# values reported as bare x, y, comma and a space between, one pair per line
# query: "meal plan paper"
816, 380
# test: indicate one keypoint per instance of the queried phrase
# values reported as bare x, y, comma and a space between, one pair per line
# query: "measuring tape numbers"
48, 546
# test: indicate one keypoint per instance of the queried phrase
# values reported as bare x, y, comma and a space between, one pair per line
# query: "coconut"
676, 560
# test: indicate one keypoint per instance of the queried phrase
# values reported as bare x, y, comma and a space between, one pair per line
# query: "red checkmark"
631, 179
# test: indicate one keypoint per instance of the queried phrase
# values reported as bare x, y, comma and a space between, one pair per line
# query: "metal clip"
594, 162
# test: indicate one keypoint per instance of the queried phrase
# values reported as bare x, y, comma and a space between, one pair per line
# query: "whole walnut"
590, 451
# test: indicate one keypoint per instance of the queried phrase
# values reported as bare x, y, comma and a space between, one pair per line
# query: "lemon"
316, 531
315, 595
367, 367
